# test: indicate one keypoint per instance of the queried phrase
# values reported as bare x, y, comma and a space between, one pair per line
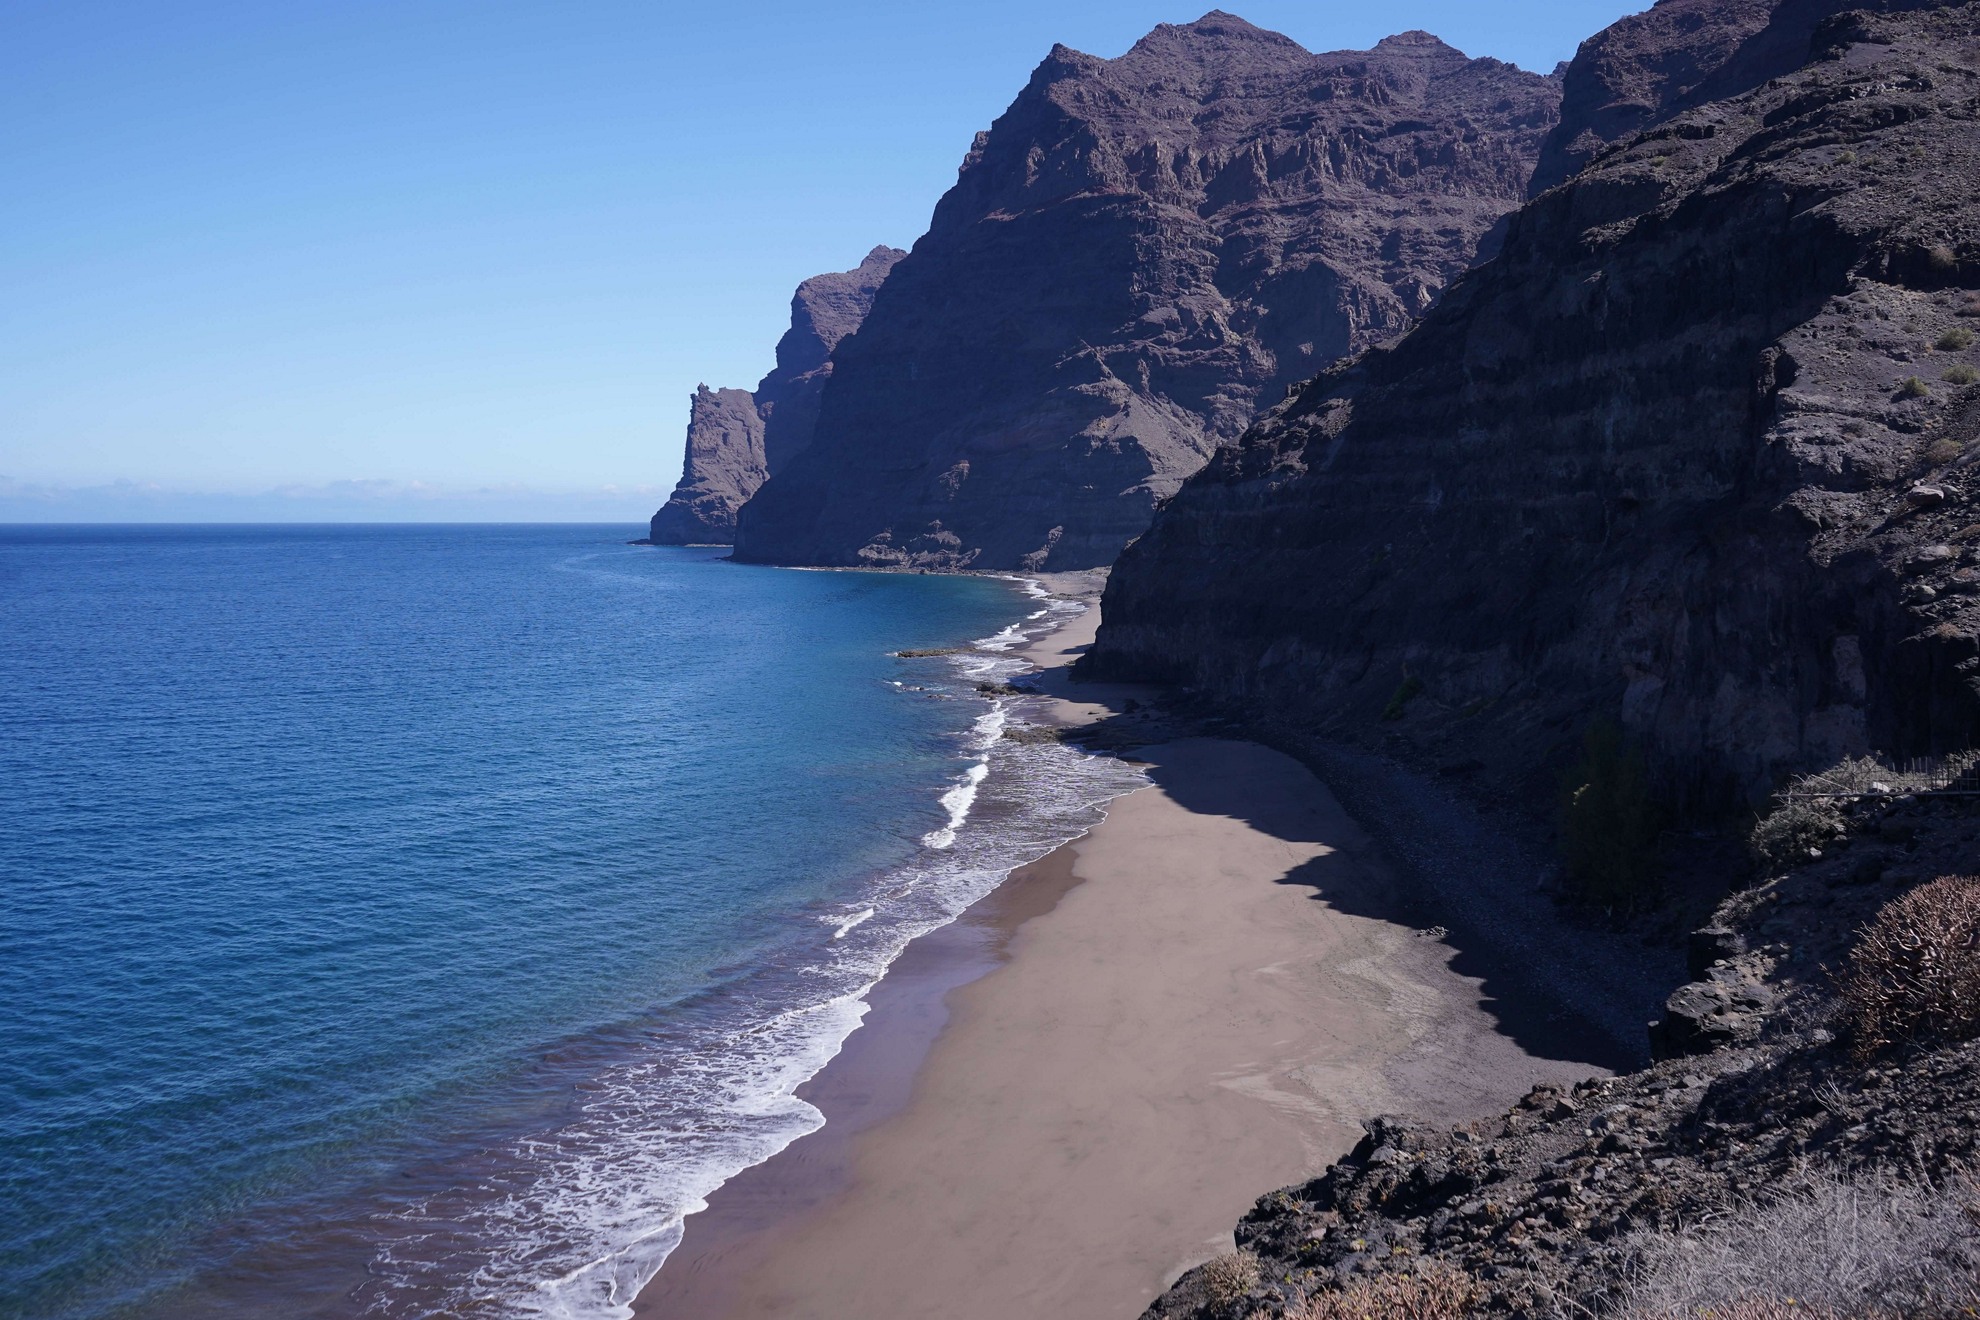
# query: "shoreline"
1061, 1101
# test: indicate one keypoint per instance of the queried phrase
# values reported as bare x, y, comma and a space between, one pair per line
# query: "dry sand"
1128, 1045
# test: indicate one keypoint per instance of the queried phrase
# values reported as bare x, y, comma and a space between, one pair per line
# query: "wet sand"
1064, 1100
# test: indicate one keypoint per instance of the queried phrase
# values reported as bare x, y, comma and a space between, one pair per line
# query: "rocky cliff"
1691, 453
1137, 254
737, 438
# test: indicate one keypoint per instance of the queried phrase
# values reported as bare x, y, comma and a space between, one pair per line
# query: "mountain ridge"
1136, 255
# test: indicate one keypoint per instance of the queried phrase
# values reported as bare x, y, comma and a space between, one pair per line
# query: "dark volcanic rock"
1644, 69
1649, 464
737, 438
1138, 254
723, 466
1539, 1204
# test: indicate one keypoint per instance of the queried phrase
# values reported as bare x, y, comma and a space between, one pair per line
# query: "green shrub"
1961, 374
1913, 388
1409, 687
1915, 971
1954, 340
1609, 824
1941, 452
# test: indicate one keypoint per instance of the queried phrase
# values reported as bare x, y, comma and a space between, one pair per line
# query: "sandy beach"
1066, 1099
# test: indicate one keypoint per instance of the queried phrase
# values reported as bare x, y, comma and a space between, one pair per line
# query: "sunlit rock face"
737, 438
1138, 255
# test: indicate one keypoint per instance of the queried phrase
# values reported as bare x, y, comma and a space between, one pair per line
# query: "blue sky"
433, 258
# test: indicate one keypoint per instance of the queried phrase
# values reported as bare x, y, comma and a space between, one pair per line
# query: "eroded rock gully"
1135, 256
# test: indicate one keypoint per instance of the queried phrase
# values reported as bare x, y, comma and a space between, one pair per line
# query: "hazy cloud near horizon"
360, 500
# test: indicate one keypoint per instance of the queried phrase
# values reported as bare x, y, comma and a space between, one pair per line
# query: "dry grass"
1831, 1248
1962, 374
1433, 1291
1789, 834
1863, 774
1782, 839
1229, 1278
1954, 340
1755, 1307
1915, 971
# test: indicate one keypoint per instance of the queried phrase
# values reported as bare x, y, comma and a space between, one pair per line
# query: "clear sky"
468, 258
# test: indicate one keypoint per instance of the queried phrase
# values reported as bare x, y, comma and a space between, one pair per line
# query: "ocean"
410, 921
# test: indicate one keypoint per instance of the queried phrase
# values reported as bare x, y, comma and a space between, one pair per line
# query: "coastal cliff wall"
737, 438
1135, 256
1692, 453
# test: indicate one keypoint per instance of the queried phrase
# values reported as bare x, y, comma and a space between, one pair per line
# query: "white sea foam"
578, 1220
957, 802
843, 924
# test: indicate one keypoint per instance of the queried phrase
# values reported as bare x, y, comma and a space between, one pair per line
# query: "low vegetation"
1609, 824
1803, 823
1954, 340
1913, 388
1834, 1247
1432, 1291
1914, 974
1229, 1278
1962, 374
1792, 833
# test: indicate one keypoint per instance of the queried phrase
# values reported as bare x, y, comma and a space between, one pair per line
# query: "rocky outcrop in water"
737, 438
1137, 254
1693, 453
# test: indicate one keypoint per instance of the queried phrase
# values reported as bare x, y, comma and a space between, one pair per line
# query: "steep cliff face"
1138, 253
1644, 68
1691, 453
722, 467
737, 438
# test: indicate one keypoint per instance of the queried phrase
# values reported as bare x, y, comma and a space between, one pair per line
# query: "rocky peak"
1419, 43
1691, 456
827, 308
737, 438
1138, 254
1212, 40
1680, 54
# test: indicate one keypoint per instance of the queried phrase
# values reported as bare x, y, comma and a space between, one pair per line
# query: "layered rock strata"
737, 438
1692, 453
1135, 256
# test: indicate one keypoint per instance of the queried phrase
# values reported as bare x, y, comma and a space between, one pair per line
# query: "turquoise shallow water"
419, 920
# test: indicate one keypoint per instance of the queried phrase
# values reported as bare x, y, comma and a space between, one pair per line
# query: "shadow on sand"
1553, 985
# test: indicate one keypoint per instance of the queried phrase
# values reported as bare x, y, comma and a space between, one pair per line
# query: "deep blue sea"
420, 920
